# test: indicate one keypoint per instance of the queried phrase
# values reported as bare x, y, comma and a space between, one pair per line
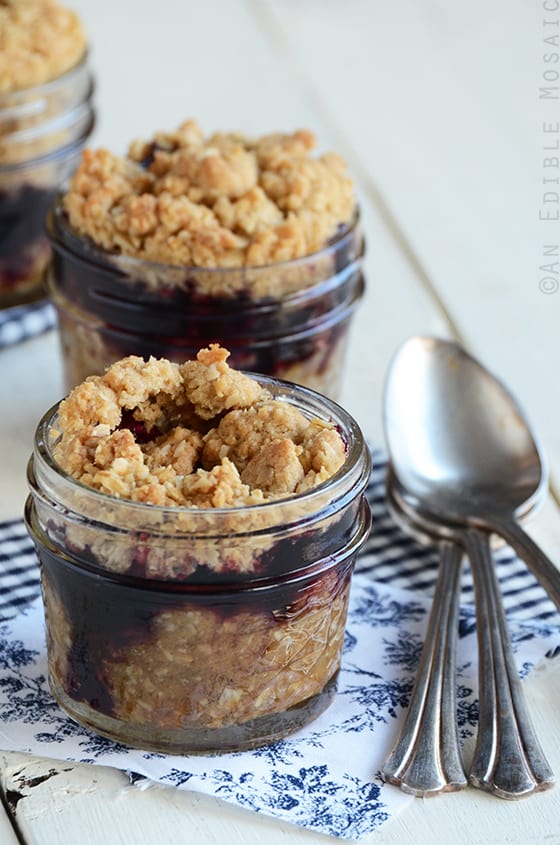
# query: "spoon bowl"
462, 449
456, 433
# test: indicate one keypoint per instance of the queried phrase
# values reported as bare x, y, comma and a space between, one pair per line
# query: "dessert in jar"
189, 240
197, 529
46, 116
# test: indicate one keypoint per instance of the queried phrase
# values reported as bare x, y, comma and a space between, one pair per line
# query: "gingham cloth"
390, 557
25, 321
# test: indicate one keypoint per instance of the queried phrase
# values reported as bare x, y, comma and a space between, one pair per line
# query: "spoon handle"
540, 565
508, 759
426, 758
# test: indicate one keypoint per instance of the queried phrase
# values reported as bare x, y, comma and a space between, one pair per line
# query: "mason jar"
290, 320
183, 629
43, 131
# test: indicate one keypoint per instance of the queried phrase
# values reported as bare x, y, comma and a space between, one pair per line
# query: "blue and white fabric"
25, 321
327, 777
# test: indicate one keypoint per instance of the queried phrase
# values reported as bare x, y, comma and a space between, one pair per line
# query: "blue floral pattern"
327, 776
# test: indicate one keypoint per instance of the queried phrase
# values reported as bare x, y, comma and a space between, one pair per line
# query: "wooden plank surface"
8, 835
440, 103
435, 106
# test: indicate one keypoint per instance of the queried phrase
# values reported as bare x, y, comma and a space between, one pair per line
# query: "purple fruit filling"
24, 247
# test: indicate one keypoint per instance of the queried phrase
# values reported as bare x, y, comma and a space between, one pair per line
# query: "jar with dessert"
189, 240
46, 117
197, 529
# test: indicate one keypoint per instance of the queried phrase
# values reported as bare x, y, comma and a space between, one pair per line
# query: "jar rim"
60, 122
340, 313
57, 218
281, 391
222, 586
55, 154
45, 88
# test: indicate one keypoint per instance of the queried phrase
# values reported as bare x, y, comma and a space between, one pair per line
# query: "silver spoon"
426, 759
508, 759
442, 448
462, 447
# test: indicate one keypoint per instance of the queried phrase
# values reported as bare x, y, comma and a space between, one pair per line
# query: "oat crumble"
153, 667
39, 41
198, 434
223, 201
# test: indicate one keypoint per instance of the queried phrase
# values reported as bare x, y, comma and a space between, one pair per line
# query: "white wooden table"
449, 116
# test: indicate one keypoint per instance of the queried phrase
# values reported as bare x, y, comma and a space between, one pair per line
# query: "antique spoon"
426, 758
462, 447
508, 759
452, 457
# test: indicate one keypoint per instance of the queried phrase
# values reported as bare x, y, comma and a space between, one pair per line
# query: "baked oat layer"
39, 41
222, 201
198, 434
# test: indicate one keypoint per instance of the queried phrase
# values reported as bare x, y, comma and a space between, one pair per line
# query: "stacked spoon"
464, 466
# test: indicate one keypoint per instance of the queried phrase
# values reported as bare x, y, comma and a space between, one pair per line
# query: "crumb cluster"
223, 201
39, 40
198, 434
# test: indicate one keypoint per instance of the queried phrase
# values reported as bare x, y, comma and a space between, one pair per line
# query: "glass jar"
197, 629
289, 320
42, 133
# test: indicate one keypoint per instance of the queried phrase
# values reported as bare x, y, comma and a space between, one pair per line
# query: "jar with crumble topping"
197, 629
109, 307
46, 116
254, 244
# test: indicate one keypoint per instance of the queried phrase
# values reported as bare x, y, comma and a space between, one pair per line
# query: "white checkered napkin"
389, 557
25, 321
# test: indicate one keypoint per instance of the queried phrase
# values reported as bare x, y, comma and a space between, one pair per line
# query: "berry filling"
24, 249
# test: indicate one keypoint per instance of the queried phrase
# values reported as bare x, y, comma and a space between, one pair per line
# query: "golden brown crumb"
212, 386
223, 201
93, 405
197, 434
241, 435
180, 450
135, 381
39, 41
276, 468
219, 487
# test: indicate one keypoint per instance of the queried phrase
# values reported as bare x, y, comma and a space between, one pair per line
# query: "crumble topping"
223, 201
198, 434
39, 40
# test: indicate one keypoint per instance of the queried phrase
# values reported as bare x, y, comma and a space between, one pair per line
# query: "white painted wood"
30, 382
7, 835
433, 104
97, 805
439, 103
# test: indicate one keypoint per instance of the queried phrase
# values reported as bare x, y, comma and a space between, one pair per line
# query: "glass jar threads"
290, 320
42, 133
189, 629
